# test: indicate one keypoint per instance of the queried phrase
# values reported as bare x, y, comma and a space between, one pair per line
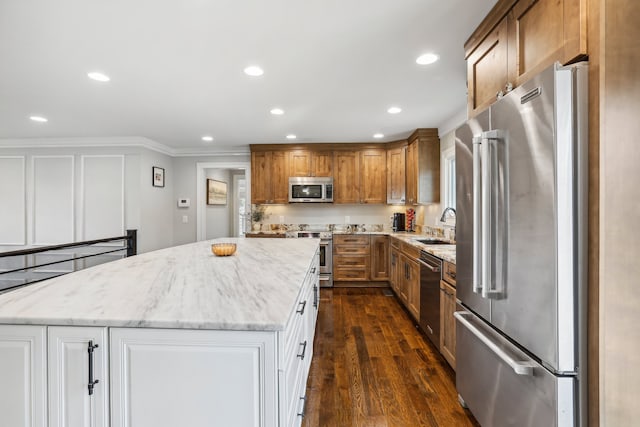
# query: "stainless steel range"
326, 250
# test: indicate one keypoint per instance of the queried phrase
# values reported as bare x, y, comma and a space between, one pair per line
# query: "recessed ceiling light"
291, 136
277, 111
39, 119
378, 135
427, 58
254, 71
207, 138
394, 110
99, 77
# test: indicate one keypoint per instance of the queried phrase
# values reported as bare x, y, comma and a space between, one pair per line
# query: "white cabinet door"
70, 404
23, 366
166, 378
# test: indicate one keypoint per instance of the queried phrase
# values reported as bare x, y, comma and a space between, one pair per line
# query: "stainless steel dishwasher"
430, 268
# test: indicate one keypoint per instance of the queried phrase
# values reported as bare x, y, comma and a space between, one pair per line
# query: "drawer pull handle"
304, 401
92, 382
315, 296
304, 350
303, 304
313, 270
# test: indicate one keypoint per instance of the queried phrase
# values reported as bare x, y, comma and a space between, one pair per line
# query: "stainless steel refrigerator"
521, 254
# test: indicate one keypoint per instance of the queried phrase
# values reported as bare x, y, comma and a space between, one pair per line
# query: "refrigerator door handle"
492, 286
485, 219
520, 367
477, 215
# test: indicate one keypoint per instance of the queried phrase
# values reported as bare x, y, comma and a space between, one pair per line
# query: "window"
449, 178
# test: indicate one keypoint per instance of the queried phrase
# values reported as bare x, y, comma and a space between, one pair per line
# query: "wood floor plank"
372, 367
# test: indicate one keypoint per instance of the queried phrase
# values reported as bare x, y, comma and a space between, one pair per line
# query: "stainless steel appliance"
430, 273
326, 254
310, 190
398, 222
521, 219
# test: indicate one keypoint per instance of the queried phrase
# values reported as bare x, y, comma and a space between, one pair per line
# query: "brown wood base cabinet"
405, 275
447, 308
360, 259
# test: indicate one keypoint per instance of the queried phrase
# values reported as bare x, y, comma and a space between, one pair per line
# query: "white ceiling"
334, 66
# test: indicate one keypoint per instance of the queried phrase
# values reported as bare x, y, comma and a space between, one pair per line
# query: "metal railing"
16, 265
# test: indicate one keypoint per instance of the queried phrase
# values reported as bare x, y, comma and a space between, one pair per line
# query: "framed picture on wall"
216, 192
158, 176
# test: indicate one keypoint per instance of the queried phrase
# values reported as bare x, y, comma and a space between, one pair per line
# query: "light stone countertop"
444, 252
179, 287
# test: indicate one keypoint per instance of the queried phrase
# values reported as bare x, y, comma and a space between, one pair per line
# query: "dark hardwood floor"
371, 367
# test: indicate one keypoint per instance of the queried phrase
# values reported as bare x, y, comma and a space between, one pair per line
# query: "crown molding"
128, 141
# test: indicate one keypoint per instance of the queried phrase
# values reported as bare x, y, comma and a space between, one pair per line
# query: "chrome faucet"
443, 218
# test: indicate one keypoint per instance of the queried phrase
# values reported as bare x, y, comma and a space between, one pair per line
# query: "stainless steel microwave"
310, 190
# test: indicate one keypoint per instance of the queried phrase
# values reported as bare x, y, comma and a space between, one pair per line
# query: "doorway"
222, 220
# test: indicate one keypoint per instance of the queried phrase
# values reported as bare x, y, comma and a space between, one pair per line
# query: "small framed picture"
158, 176
216, 192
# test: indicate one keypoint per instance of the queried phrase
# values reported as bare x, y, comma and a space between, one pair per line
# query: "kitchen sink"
433, 242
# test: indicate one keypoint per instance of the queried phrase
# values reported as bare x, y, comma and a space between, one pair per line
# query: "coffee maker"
398, 222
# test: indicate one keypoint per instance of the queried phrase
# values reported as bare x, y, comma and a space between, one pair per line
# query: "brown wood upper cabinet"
423, 167
360, 176
545, 31
518, 39
488, 69
310, 163
396, 175
269, 177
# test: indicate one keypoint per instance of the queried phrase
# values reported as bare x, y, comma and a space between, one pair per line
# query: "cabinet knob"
499, 95
508, 87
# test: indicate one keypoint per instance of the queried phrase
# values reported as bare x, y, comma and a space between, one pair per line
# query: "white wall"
156, 203
184, 186
60, 195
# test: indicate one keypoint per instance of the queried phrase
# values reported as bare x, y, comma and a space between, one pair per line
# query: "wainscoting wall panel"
12, 208
53, 199
102, 196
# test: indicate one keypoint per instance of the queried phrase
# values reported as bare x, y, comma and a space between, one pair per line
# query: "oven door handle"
434, 268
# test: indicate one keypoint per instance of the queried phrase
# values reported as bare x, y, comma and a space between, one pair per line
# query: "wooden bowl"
223, 249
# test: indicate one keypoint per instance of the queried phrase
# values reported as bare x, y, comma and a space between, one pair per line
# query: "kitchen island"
175, 337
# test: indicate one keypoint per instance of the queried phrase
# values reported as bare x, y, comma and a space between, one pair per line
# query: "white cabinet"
34, 359
296, 351
159, 377
70, 366
23, 367
173, 377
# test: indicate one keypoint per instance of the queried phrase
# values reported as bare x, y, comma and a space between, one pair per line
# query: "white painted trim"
24, 202
190, 152
82, 191
201, 223
33, 197
101, 142
130, 141
444, 172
